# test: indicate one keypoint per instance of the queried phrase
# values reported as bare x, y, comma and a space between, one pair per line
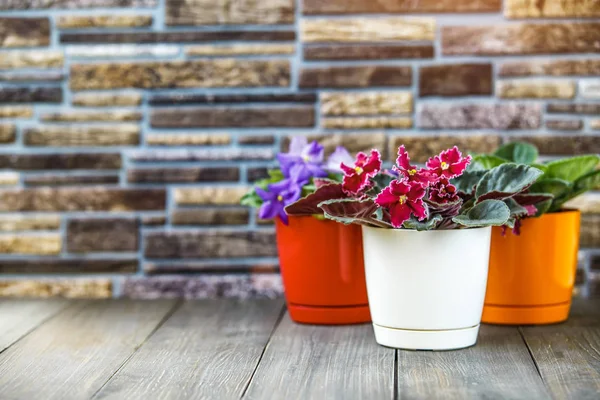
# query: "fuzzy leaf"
309, 205
352, 211
486, 213
587, 182
430, 224
318, 182
554, 186
570, 169
516, 210
531, 199
543, 207
488, 161
518, 152
467, 181
505, 181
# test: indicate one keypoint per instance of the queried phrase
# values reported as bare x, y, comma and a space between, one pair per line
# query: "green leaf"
251, 199
518, 152
554, 186
587, 182
427, 225
516, 210
570, 169
541, 167
486, 213
505, 181
488, 161
467, 181
543, 207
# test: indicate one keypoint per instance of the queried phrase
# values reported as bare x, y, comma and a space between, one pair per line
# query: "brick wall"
130, 128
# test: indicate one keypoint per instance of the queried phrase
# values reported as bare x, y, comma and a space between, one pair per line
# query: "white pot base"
426, 340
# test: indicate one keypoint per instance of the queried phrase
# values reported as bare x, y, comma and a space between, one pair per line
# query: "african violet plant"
443, 195
294, 178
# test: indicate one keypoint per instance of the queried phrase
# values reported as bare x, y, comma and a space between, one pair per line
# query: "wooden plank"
568, 355
19, 317
498, 367
207, 349
323, 362
75, 353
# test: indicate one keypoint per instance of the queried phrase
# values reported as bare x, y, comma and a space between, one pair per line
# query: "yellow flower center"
402, 199
306, 158
358, 170
444, 165
280, 198
412, 171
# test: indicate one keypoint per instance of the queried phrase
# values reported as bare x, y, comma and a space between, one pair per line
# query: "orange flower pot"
323, 271
531, 276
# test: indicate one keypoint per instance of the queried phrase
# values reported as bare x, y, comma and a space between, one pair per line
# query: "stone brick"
189, 139
24, 32
181, 74
92, 116
254, 174
32, 76
229, 12
180, 155
595, 124
422, 147
366, 123
54, 161
69, 180
366, 103
72, 288
256, 139
87, 235
588, 203
73, 4
16, 94
82, 199
210, 216
102, 21
551, 9
354, 142
590, 231
74, 266
82, 135
522, 38
107, 99
239, 286
28, 222
240, 49
339, 52
355, 76
168, 175
550, 67
367, 29
107, 51
179, 37
8, 133
590, 89
573, 108
9, 178
210, 244
31, 59
154, 220
47, 244
479, 116
16, 112
191, 267
564, 124
535, 89
296, 116
185, 98
455, 80
318, 7
207, 195
562, 145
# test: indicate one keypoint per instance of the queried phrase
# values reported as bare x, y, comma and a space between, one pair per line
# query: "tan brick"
588, 203
8, 133
227, 12
49, 244
367, 123
190, 139
9, 178
551, 9
354, 142
590, 231
217, 195
16, 112
31, 59
312, 7
367, 29
365, 103
80, 135
422, 147
28, 222
550, 67
535, 89
107, 99
103, 21
240, 49
73, 288
92, 116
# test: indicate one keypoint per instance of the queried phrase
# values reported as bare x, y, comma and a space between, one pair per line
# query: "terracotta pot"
323, 271
531, 276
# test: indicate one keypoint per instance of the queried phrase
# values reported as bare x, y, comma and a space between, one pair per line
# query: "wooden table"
225, 349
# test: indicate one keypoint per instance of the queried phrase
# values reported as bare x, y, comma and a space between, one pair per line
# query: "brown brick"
154, 220
46, 244
298, 116
256, 139
210, 195
455, 80
590, 231
522, 38
422, 147
535, 89
180, 37
103, 21
479, 116
356, 76
337, 52
194, 98
571, 108
551, 9
354, 142
181, 74
227, 12
315, 7
69, 180
24, 32
76, 266
365, 103
82, 199
175, 175
254, 174
54, 161
210, 244
82, 135
191, 267
92, 116
212, 154
562, 145
550, 67
87, 235
70, 4
210, 216
188, 139
8, 133
71, 288
564, 124
17, 94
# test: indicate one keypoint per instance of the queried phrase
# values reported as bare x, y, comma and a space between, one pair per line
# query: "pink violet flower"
411, 172
443, 192
356, 178
449, 163
402, 200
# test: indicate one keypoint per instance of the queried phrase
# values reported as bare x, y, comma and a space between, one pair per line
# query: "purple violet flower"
308, 156
339, 156
277, 197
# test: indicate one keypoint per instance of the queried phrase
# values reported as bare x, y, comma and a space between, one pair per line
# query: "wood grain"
568, 355
19, 317
323, 362
75, 353
498, 367
207, 349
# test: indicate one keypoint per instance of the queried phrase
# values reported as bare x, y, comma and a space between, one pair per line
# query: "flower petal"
418, 208
399, 213
268, 210
403, 160
340, 155
458, 168
399, 188
373, 163
353, 184
264, 195
297, 144
386, 197
451, 156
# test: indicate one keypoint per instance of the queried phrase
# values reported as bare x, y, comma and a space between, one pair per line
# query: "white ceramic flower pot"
426, 289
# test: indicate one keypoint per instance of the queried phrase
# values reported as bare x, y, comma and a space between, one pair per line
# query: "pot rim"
429, 231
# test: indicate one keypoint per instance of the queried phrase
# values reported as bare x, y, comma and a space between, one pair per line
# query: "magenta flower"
308, 156
356, 178
402, 200
335, 160
449, 163
442, 192
411, 172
